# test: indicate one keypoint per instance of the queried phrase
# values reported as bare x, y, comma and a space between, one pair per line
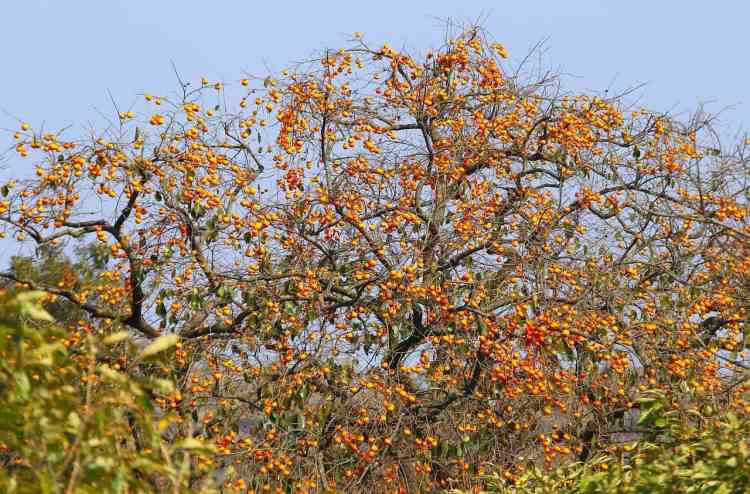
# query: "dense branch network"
380, 249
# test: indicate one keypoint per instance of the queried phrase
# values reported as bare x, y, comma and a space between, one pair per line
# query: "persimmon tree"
399, 271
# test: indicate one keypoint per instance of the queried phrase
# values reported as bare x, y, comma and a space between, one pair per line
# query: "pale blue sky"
61, 56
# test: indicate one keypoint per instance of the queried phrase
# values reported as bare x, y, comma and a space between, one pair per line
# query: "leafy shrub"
683, 459
71, 422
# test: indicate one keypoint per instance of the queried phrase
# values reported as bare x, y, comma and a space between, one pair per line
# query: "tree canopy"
394, 272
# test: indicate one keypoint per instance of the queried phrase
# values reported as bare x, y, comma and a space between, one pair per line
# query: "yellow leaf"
116, 337
29, 303
159, 345
163, 424
193, 443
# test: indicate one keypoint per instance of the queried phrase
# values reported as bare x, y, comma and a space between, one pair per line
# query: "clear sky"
62, 56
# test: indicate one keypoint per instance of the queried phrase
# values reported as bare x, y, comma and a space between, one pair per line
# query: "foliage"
73, 422
393, 272
708, 460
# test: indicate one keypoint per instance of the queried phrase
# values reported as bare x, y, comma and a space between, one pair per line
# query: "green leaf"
23, 385
44, 355
164, 386
660, 423
29, 306
111, 375
74, 422
650, 414
161, 310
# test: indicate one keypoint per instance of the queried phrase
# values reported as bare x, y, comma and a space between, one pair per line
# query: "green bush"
70, 422
712, 458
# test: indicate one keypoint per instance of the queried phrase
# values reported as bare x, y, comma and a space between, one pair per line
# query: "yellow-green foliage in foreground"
70, 422
714, 459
